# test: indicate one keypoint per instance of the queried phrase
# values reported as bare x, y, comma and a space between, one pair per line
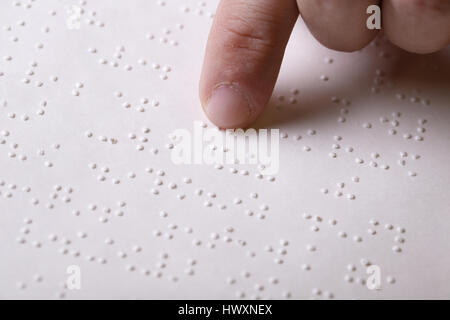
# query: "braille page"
92, 205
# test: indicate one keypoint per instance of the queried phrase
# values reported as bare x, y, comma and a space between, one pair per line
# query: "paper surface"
90, 92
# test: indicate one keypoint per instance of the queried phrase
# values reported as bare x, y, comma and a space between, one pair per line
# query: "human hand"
248, 39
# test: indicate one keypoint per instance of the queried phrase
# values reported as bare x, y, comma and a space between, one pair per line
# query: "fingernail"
228, 107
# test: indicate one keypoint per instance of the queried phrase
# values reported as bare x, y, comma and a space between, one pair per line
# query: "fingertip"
228, 107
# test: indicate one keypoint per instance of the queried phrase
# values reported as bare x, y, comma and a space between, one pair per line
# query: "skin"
248, 38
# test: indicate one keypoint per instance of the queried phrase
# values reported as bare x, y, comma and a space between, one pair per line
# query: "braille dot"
342, 234
412, 173
390, 279
351, 267
348, 278
401, 230
392, 131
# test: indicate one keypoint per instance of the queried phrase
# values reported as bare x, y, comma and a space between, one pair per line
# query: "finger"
243, 57
338, 24
420, 26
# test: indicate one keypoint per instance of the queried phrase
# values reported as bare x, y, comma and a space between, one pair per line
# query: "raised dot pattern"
88, 104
